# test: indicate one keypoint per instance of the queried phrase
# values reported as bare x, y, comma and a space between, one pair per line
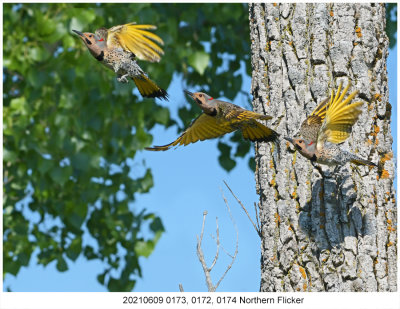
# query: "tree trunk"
337, 232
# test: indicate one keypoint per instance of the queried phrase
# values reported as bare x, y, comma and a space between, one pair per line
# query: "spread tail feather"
260, 133
148, 88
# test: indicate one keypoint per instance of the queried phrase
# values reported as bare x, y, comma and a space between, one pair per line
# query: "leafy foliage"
391, 23
70, 129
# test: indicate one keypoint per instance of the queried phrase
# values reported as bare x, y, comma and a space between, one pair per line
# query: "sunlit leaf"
199, 61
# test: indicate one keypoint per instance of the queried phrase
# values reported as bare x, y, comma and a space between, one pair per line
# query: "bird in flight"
117, 49
328, 125
218, 118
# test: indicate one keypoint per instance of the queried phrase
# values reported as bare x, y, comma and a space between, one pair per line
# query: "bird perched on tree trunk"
329, 124
219, 118
117, 47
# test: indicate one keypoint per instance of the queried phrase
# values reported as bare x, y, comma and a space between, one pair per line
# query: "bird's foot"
317, 167
123, 78
337, 169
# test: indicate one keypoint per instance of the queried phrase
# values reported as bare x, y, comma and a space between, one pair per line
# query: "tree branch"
202, 260
237, 241
258, 222
200, 254
244, 208
216, 254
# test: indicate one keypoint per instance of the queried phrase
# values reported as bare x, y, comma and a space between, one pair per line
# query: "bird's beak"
78, 33
189, 93
289, 139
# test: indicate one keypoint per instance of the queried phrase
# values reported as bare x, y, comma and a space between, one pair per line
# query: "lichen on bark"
337, 232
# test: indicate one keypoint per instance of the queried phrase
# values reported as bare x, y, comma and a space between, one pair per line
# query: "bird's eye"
301, 142
90, 36
200, 95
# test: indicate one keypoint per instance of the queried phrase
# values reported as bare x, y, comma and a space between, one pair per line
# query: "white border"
16, 300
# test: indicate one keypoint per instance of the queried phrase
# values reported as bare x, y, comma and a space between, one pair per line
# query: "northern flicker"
219, 118
117, 47
330, 124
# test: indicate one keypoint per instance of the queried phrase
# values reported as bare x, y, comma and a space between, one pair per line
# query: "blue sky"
187, 181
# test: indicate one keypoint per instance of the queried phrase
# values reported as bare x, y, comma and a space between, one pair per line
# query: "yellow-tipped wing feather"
137, 40
319, 113
339, 118
203, 127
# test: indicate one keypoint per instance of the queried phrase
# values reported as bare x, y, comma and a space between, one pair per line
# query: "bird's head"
94, 43
200, 97
306, 148
206, 102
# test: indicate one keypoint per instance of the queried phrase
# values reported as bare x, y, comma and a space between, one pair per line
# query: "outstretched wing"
256, 131
240, 114
310, 127
251, 128
340, 118
203, 127
136, 39
318, 114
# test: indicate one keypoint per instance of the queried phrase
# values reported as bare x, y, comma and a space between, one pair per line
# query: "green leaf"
101, 277
38, 54
113, 285
146, 182
82, 18
224, 158
162, 116
76, 221
45, 26
9, 156
60, 174
242, 148
75, 248
61, 264
19, 105
44, 165
68, 41
37, 78
252, 163
199, 61
80, 161
89, 253
144, 248
11, 267
156, 225
24, 258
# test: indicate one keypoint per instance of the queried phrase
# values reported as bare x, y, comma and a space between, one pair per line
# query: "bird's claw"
123, 79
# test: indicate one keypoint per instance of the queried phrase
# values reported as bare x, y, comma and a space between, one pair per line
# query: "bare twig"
200, 254
222, 247
237, 241
216, 254
258, 223
245, 210
202, 260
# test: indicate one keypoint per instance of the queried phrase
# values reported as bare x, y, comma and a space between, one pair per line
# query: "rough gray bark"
335, 233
